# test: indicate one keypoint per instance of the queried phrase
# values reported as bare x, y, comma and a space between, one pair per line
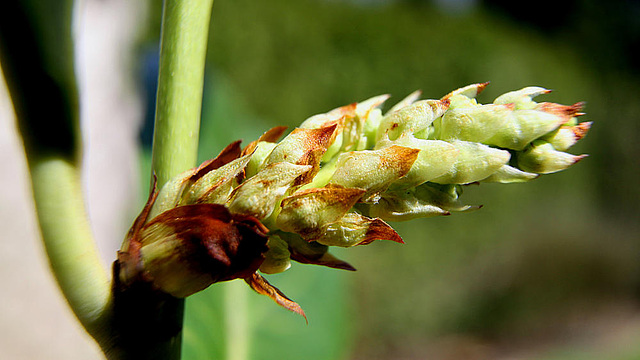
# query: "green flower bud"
307, 211
303, 147
354, 229
521, 98
477, 123
373, 170
566, 136
311, 252
426, 200
259, 155
474, 163
277, 259
508, 174
469, 91
524, 126
410, 119
173, 192
435, 159
258, 195
216, 186
542, 158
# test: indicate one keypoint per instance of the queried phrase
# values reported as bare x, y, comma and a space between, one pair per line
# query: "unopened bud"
188, 248
373, 170
277, 259
508, 174
436, 157
257, 196
566, 136
411, 119
522, 99
355, 229
426, 200
542, 158
474, 163
307, 211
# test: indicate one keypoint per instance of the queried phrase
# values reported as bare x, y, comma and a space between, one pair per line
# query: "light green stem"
236, 320
68, 242
180, 83
36, 52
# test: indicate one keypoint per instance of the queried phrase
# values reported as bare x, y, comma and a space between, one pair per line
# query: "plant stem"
185, 28
236, 320
36, 52
150, 322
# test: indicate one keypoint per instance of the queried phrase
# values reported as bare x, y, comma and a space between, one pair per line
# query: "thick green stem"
185, 32
149, 321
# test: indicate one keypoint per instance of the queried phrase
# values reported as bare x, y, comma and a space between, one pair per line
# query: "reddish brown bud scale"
271, 135
262, 286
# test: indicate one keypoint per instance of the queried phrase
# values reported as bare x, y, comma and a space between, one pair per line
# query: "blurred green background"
546, 270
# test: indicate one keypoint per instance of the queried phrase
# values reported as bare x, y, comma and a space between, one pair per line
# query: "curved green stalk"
36, 52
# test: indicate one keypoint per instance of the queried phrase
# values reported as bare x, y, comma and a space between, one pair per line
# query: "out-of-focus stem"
36, 53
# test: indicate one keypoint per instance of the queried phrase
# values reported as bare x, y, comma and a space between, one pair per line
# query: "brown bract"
262, 286
187, 248
304, 147
306, 211
380, 230
566, 112
271, 135
581, 130
226, 246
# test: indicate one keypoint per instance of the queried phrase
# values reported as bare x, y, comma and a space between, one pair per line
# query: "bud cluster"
337, 178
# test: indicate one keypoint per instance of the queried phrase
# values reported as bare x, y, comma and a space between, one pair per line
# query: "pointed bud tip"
581, 130
578, 158
482, 86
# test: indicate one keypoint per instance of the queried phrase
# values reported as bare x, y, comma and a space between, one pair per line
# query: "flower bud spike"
262, 287
334, 181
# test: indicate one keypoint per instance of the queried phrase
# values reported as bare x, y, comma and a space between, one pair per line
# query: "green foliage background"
538, 267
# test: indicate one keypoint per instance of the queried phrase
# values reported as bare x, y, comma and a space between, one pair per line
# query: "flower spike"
336, 181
